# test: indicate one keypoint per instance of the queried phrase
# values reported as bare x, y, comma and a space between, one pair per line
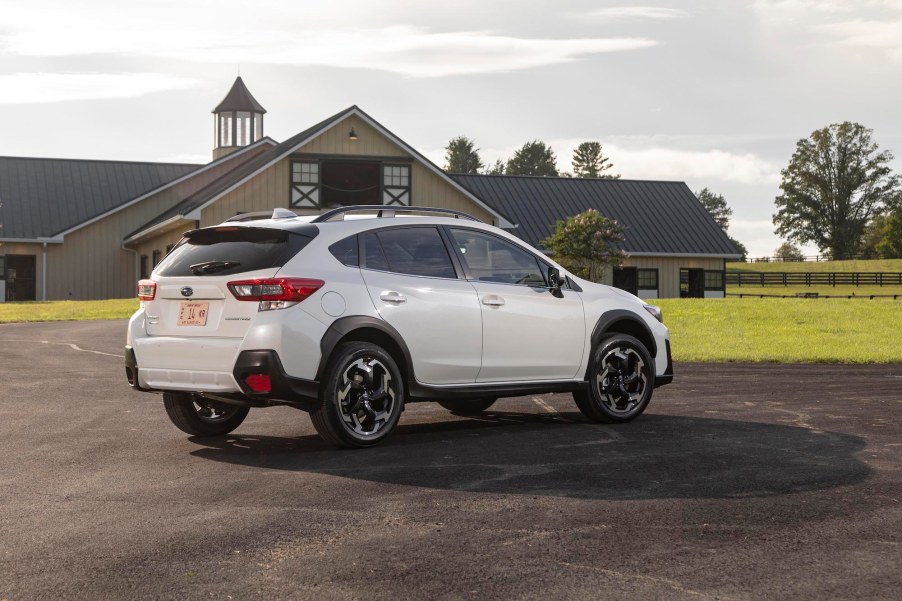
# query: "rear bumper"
218, 368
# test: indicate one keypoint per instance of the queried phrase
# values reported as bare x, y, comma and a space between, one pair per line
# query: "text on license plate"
193, 313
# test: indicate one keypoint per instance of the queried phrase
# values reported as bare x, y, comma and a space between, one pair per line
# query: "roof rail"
389, 211
277, 213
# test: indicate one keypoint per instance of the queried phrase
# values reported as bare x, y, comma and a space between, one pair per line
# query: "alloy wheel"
366, 398
622, 380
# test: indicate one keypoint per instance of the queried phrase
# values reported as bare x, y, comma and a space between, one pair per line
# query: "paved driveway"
740, 482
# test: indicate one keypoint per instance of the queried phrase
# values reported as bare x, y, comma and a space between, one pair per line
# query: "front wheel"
361, 396
202, 417
621, 380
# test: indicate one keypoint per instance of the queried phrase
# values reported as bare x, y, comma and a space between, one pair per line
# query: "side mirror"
554, 281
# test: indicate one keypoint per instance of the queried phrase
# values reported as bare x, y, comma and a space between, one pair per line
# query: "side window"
373, 257
413, 251
491, 259
346, 251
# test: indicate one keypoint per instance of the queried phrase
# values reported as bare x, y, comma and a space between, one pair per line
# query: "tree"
836, 181
789, 252
890, 244
589, 161
586, 244
496, 169
741, 248
461, 156
533, 158
716, 205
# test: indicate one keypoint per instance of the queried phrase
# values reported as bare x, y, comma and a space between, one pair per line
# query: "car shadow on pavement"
656, 456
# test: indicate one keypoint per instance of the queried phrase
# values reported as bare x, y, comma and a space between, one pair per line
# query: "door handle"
395, 298
493, 301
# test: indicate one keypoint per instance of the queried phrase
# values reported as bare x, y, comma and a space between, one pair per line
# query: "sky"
713, 93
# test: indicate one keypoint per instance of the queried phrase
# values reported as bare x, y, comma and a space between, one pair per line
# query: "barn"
84, 229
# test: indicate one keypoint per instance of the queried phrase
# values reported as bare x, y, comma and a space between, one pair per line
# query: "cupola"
238, 120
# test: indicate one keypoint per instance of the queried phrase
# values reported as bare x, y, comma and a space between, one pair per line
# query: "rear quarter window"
227, 251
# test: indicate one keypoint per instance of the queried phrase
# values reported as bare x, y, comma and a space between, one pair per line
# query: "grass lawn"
785, 330
118, 308
713, 330
822, 290
824, 266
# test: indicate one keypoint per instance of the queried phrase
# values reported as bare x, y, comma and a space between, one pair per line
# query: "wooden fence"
838, 278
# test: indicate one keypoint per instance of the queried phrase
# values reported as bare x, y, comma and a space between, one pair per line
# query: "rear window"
227, 251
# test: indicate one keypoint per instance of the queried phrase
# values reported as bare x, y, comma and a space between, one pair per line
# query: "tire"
361, 396
468, 406
202, 417
621, 379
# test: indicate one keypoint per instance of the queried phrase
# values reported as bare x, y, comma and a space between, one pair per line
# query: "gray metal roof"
239, 98
659, 217
43, 197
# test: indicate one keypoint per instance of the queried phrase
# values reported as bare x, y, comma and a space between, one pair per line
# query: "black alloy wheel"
362, 396
199, 416
620, 381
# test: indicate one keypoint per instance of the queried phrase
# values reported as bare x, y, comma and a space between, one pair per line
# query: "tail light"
147, 290
276, 293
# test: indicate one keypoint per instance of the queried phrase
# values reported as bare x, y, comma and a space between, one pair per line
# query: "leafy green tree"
589, 162
533, 158
587, 244
836, 182
496, 169
789, 252
890, 244
461, 156
716, 205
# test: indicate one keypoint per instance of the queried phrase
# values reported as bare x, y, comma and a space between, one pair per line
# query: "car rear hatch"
191, 296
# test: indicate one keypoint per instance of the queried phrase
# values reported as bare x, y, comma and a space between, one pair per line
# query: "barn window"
305, 184
144, 272
648, 279
156, 257
396, 185
714, 280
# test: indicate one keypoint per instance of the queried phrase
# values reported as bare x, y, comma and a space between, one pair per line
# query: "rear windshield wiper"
212, 266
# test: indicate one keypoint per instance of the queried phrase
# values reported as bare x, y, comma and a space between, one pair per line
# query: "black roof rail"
389, 211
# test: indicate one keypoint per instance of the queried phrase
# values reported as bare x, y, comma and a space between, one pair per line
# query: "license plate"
193, 313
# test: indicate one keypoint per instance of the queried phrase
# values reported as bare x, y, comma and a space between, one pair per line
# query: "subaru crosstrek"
351, 314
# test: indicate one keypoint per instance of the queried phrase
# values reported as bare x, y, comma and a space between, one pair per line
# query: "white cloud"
885, 35
638, 12
318, 33
675, 164
869, 24
20, 88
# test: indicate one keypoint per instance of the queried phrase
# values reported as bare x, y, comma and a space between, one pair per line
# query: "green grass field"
822, 266
822, 290
785, 330
734, 329
118, 308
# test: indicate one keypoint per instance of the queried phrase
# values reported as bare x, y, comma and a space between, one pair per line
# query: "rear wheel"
361, 396
621, 380
202, 417
468, 406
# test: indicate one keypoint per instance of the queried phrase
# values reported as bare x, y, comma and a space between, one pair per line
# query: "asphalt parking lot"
740, 482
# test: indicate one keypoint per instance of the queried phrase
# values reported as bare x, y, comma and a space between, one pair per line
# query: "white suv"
349, 318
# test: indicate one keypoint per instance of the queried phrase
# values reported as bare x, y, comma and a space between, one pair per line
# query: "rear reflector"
283, 289
258, 382
147, 290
